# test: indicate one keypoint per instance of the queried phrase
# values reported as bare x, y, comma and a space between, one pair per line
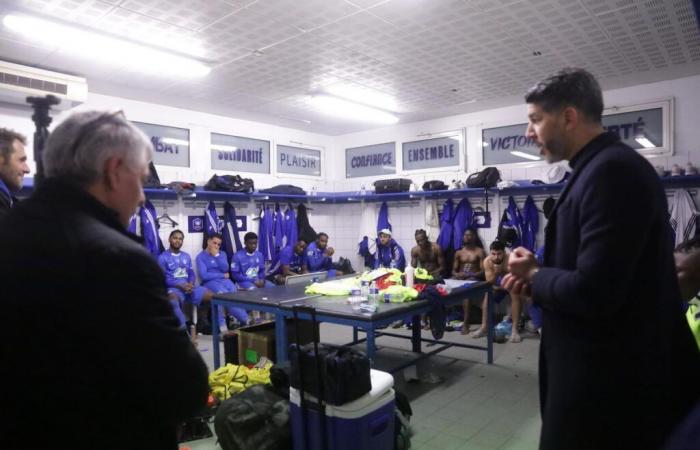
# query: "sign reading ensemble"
431, 153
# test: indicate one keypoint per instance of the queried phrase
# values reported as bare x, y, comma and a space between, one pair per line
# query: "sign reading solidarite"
239, 154
431, 153
297, 160
195, 224
379, 159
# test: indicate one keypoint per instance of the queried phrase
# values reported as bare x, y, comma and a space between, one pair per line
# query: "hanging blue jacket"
246, 267
211, 223
463, 219
316, 260
510, 230
444, 240
290, 231
231, 239
390, 256
132, 225
530, 224
279, 228
149, 229
383, 218
177, 268
211, 267
288, 257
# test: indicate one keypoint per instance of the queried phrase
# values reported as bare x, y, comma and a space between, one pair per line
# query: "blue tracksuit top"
390, 256
289, 258
247, 267
316, 260
212, 267
177, 268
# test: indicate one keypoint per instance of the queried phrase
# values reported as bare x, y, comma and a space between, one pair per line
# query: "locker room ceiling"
436, 57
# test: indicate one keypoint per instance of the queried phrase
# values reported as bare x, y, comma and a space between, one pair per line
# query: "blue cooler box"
363, 424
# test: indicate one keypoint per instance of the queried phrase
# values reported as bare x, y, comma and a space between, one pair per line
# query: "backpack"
402, 417
486, 178
392, 185
434, 185
230, 183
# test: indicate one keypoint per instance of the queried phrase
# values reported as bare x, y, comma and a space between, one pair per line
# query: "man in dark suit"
92, 355
13, 167
618, 365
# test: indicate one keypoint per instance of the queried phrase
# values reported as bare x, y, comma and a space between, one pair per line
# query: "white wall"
685, 91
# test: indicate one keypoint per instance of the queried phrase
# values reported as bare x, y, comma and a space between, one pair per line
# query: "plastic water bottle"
373, 298
363, 190
387, 297
409, 276
364, 290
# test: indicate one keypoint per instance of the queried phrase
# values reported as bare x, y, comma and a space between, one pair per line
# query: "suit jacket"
4, 205
616, 353
92, 353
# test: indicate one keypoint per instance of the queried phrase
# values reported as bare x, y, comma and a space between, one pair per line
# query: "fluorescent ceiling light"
363, 95
224, 148
525, 155
644, 142
173, 141
104, 48
354, 111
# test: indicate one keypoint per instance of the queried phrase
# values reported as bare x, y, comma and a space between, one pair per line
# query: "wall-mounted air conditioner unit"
17, 82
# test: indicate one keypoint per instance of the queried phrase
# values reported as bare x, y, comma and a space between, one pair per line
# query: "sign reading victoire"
378, 159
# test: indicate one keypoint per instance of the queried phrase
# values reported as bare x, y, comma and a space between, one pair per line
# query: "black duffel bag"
392, 185
230, 183
434, 185
487, 178
344, 372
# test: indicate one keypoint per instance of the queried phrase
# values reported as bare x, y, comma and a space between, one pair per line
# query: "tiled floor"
461, 402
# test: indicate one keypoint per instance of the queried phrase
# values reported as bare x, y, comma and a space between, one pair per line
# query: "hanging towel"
683, 214
444, 240
231, 239
463, 219
149, 229
432, 219
291, 234
531, 224
211, 223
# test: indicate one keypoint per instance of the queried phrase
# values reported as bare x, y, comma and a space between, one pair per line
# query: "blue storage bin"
363, 424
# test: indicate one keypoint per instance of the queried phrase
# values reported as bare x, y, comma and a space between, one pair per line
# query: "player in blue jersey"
319, 256
248, 265
291, 262
213, 267
389, 254
179, 276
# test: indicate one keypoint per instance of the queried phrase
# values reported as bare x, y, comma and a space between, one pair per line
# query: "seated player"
248, 265
389, 254
319, 256
179, 276
427, 255
468, 265
495, 267
213, 267
291, 262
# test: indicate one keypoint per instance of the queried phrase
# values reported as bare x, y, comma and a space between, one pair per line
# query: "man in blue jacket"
618, 364
248, 265
179, 276
389, 254
212, 265
291, 262
319, 256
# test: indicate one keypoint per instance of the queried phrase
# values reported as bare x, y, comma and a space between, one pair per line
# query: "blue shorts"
220, 286
195, 297
249, 285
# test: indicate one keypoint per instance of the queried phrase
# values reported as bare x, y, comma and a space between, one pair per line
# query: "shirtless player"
427, 255
468, 265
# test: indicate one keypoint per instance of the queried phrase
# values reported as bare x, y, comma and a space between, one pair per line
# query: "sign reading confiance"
299, 161
431, 153
379, 159
171, 145
239, 154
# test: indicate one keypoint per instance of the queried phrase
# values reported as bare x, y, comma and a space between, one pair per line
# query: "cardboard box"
259, 340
